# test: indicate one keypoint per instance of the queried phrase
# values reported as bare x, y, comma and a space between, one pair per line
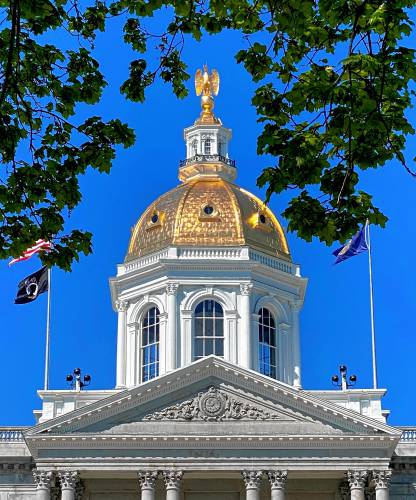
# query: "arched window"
209, 329
207, 147
267, 343
194, 147
150, 344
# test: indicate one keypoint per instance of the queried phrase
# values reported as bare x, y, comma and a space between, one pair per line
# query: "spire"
206, 85
207, 140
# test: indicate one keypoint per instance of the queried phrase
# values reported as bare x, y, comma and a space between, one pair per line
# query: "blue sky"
335, 322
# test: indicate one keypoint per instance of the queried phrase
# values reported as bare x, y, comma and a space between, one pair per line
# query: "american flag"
37, 247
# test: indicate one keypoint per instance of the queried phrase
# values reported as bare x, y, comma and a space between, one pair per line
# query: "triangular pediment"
212, 396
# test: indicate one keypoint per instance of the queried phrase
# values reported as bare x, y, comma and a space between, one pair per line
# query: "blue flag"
356, 245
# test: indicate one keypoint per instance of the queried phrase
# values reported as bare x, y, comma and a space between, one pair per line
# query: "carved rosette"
245, 288
121, 305
277, 479
252, 479
147, 479
172, 288
68, 479
173, 479
357, 479
381, 479
213, 406
43, 479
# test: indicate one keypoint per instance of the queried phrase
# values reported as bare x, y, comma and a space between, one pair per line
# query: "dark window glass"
150, 344
209, 329
267, 343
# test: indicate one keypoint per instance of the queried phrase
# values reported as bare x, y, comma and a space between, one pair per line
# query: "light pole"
75, 381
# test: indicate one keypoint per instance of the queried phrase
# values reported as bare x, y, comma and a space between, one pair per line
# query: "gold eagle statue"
206, 84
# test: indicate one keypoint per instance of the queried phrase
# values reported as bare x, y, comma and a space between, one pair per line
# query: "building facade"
208, 402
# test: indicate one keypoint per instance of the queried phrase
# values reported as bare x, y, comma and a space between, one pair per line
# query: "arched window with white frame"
267, 343
150, 331
208, 335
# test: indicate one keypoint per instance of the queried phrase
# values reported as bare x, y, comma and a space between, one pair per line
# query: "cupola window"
150, 344
208, 329
267, 343
195, 147
207, 146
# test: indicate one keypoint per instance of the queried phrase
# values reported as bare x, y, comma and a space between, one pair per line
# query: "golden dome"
208, 212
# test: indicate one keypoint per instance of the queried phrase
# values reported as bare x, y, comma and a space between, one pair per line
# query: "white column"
147, 482
252, 481
357, 480
381, 482
244, 336
173, 482
171, 338
43, 480
296, 307
121, 306
277, 479
69, 480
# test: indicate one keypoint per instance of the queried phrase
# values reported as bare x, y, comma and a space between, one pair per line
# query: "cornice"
151, 441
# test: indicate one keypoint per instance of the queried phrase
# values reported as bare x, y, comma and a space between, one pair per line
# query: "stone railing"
207, 158
210, 253
408, 434
143, 261
281, 265
11, 434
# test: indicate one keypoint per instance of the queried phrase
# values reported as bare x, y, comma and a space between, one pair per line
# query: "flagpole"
48, 332
373, 334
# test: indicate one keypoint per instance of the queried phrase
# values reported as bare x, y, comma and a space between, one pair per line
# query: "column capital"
277, 479
252, 478
172, 288
121, 305
147, 479
296, 305
43, 479
245, 288
381, 478
68, 479
357, 479
173, 478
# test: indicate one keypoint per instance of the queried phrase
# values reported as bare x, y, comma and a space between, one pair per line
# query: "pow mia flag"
32, 286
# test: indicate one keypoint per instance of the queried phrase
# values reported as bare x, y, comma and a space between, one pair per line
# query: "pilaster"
245, 349
171, 335
121, 306
296, 306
